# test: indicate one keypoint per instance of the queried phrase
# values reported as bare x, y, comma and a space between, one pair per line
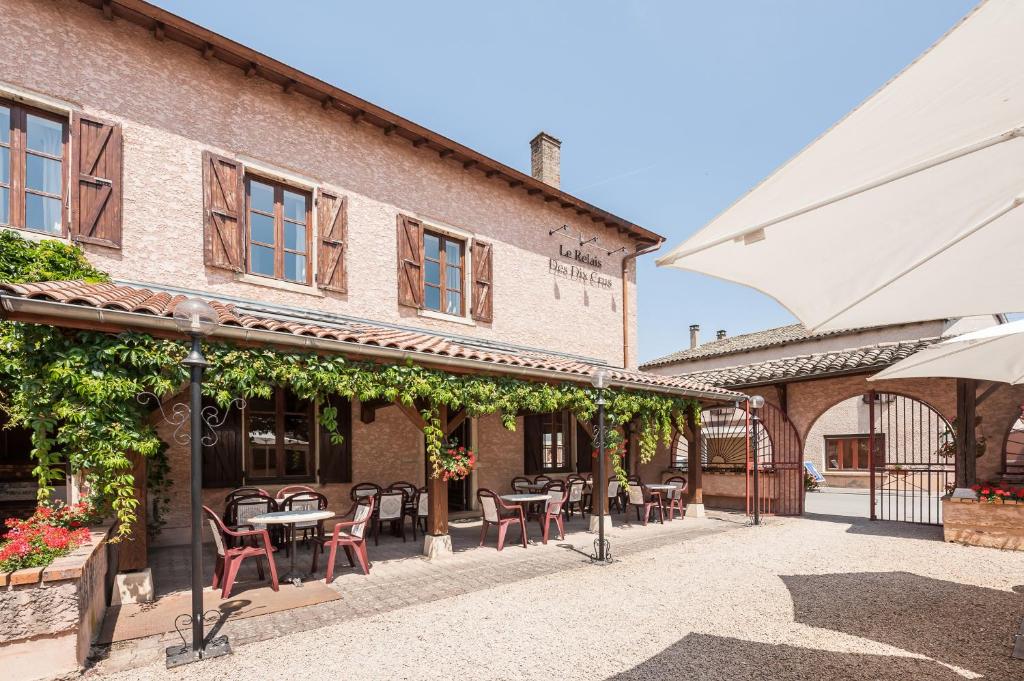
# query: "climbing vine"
77, 391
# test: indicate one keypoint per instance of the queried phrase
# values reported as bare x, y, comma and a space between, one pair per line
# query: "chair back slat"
218, 538
391, 504
361, 516
423, 507
613, 489
489, 506
576, 491
636, 494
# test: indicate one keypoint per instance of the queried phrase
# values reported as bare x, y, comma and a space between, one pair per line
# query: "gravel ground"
794, 599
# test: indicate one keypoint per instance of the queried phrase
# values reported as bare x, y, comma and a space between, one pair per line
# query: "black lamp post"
197, 319
600, 381
756, 402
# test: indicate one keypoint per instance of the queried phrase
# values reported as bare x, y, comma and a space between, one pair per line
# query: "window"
33, 150
554, 447
850, 452
442, 273
278, 234
279, 433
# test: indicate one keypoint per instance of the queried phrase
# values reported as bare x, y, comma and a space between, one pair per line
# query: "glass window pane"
295, 237
432, 246
454, 303
296, 444
5, 165
42, 213
862, 453
295, 206
295, 267
261, 228
45, 135
453, 252
432, 273
4, 216
432, 298
42, 174
454, 279
292, 403
261, 260
5, 124
261, 196
847, 454
261, 429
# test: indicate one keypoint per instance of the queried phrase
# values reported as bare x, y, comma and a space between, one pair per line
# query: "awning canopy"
907, 209
119, 307
992, 354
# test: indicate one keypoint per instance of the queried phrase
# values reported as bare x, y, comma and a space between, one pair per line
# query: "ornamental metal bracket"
215, 646
179, 415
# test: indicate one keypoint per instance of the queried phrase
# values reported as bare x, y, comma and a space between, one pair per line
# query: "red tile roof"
138, 300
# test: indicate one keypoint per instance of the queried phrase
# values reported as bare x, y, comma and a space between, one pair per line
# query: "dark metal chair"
392, 509
349, 535
521, 485
303, 501
497, 512
229, 558
244, 506
364, 489
574, 500
422, 511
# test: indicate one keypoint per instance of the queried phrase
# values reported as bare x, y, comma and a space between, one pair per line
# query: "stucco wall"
173, 104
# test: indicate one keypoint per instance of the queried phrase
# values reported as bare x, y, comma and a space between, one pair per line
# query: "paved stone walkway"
400, 577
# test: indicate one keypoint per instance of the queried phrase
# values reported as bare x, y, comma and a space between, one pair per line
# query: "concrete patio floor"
797, 598
400, 576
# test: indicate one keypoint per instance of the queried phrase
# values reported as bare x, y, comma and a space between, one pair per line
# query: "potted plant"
456, 462
51, 532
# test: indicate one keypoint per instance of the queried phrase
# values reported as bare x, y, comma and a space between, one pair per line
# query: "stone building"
186, 164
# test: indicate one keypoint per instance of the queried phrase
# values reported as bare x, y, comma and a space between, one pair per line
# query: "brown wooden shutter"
410, 261
483, 285
222, 460
533, 463
336, 459
96, 161
223, 209
584, 448
332, 224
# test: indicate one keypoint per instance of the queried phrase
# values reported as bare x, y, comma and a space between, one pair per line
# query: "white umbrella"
907, 209
992, 354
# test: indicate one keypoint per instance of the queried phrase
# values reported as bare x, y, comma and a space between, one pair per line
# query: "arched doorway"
1013, 451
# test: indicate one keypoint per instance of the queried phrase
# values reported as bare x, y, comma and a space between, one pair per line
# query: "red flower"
986, 491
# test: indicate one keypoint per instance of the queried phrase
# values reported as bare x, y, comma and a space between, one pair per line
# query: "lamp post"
600, 381
197, 319
756, 402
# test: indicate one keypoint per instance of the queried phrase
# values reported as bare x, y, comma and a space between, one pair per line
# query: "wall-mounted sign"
579, 256
578, 274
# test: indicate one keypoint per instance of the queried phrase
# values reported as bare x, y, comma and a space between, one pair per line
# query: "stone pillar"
694, 473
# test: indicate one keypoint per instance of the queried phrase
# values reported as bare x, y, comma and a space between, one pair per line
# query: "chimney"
546, 158
694, 335
720, 335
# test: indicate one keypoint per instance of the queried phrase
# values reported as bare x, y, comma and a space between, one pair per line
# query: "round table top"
524, 498
289, 517
659, 485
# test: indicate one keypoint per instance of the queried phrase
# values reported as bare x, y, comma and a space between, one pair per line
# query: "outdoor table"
660, 487
291, 518
522, 500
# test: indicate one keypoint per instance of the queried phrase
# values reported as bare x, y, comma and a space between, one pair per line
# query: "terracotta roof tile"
863, 358
142, 300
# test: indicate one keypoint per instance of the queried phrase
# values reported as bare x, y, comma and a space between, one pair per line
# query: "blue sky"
667, 111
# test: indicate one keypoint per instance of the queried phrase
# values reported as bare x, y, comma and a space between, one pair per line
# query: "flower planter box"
998, 525
50, 615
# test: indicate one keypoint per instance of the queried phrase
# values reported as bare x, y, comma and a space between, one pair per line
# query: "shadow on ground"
880, 528
717, 658
968, 626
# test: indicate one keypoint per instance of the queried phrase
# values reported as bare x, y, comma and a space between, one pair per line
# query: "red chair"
230, 559
286, 492
640, 498
497, 512
557, 496
676, 496
353, 541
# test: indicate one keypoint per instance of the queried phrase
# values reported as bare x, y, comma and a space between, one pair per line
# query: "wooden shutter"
222, 461
96, 162
533, 463
584, 448
223, 212
483, 287
332, 224
336, 459
410, 261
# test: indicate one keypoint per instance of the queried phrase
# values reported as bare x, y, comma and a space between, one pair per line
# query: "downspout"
640, 250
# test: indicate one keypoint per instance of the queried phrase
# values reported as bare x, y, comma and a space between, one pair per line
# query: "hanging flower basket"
455, 463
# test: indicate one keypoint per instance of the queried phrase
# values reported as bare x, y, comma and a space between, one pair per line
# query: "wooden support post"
437, 518
133, 553
694, 483
967, 443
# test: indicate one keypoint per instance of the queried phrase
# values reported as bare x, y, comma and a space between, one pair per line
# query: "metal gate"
774, 442
912, 459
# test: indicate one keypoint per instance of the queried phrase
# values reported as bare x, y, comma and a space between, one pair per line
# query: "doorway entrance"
460, 493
